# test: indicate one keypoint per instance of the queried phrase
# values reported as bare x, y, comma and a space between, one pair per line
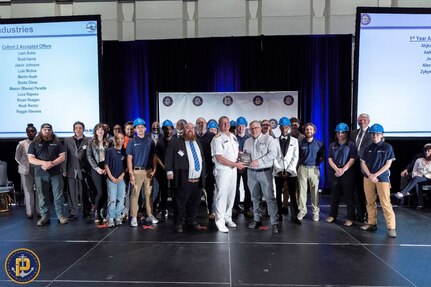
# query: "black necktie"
359, 138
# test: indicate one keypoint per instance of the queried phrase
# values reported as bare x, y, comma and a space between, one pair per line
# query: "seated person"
406, 174
421, 175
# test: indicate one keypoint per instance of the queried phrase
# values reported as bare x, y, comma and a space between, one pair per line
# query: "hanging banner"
250, 105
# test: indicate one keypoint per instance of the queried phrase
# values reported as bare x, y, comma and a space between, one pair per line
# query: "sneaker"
369, 227
161, 214
97, 218
134, 222
419, 207
118, 221
348, 223
230, 224
275, 229
44, 220
153, 219
316, 217
330, 219
111, 223
392, 233
255, 224
301, 215
63, 220
399, 195
222, 227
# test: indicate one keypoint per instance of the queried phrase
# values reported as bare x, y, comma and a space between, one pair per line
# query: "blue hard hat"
139, 121
376, 128
241, 121
341, 127
284, 121
212, 125
233, 123
167, 123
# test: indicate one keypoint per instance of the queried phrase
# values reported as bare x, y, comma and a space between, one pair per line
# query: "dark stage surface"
313, 254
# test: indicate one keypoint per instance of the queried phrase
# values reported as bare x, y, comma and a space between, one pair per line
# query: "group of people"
133, 170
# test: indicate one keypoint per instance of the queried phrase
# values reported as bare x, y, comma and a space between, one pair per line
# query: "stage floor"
312, 254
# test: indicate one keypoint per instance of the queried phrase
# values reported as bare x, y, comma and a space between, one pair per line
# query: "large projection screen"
393, 69
251, 105
49, 73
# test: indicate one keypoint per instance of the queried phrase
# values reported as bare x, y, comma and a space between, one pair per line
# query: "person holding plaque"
263, 149
285, 169
224, 150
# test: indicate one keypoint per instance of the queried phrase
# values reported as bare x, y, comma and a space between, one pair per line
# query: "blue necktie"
195, 156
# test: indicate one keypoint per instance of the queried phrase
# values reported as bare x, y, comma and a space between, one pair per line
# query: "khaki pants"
141, 178
381, 189
308, 177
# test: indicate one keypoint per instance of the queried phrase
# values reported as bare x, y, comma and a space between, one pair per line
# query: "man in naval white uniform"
224, 150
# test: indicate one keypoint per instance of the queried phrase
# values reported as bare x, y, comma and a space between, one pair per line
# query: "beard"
190, 136
48, 137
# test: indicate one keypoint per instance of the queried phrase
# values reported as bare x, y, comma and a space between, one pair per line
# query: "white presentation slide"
394, 72
251, 105
49, 74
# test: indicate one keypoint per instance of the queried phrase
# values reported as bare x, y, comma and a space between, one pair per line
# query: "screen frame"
72, 18
375, 10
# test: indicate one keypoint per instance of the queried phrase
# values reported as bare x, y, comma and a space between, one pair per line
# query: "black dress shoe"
360, 219
255, 224
295, 220
73, 217
275, 229
179, 229
87, 219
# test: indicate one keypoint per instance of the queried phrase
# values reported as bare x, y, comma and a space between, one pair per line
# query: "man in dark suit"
185, 167
75, 147
362, 138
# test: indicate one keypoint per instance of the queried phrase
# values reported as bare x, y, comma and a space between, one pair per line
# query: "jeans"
42, 187
260, 184
116, 193
417, 183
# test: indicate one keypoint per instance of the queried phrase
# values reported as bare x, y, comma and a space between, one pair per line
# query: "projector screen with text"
251, 105
49, 73
393, 69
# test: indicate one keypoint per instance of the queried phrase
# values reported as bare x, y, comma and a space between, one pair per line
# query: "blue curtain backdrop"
319, 67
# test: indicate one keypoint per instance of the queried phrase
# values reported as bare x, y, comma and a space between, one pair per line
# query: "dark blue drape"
319, 67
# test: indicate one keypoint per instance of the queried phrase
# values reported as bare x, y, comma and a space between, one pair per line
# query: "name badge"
181, 153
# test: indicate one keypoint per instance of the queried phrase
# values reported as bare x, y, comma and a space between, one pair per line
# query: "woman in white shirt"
421, 175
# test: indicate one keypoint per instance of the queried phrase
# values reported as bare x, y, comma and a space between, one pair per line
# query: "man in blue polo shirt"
376, 160
311, 154
141, 163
